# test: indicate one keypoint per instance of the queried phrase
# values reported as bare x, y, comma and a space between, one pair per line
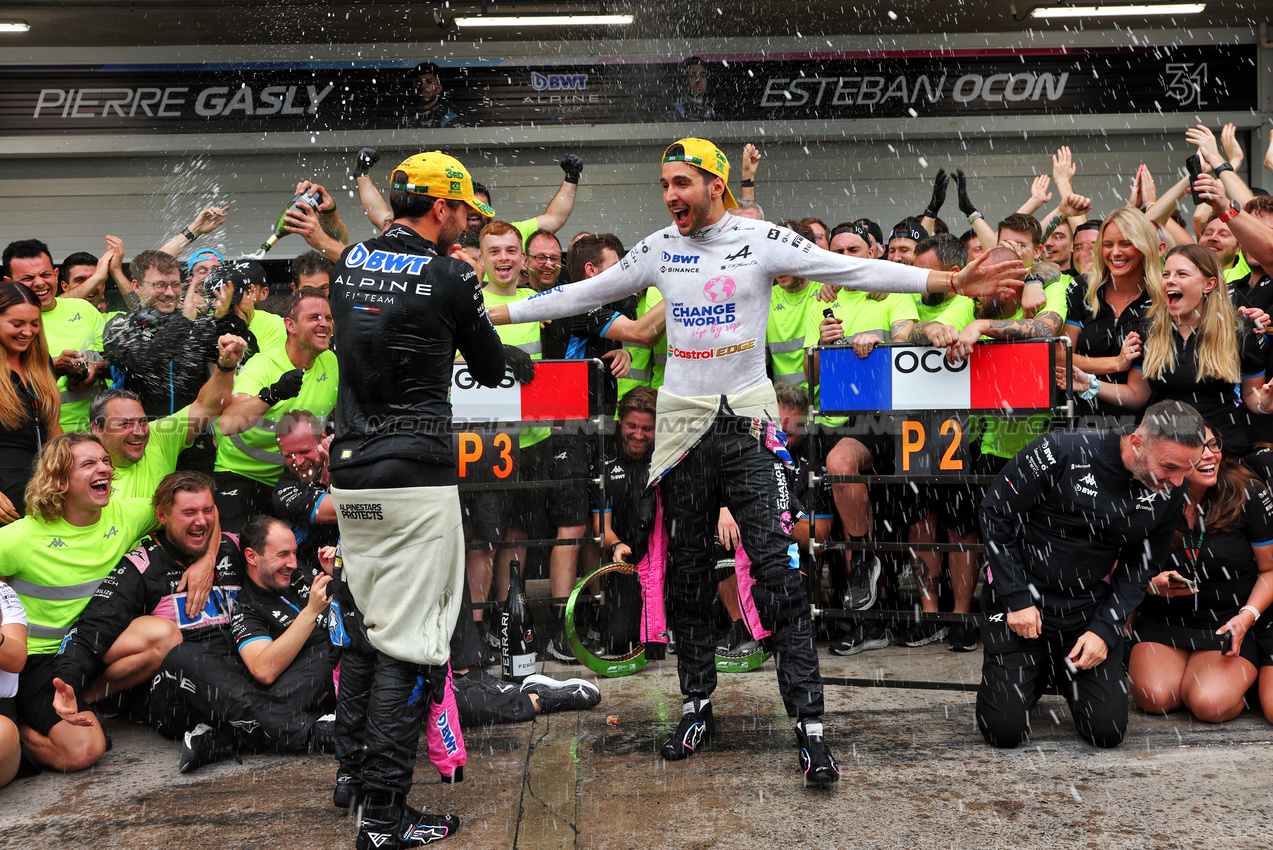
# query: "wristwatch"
1234, 209
1221, 168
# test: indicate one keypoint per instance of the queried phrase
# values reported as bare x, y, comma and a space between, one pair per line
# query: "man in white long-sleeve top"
717, 440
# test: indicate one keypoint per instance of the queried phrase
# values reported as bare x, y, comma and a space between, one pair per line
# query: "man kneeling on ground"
1075, 526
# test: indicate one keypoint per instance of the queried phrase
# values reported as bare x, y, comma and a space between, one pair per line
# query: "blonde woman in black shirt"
29, 398
1198, 349
1105, 318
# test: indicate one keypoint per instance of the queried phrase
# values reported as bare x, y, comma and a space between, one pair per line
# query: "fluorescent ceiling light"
546, 21
1111, 11
14, 26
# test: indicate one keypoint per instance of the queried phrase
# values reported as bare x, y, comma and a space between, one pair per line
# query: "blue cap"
203, 254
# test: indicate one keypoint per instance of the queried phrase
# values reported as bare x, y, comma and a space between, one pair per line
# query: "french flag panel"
559, 391
1016, 377
995, 377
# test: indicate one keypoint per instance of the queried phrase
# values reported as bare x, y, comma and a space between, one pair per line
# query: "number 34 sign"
936, 444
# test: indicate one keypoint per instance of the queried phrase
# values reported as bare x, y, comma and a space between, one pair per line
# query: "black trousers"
381, 707
730, 466
240, 498
483, 700
218, 690
1015, 671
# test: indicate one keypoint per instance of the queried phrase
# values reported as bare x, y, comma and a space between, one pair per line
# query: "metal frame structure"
1061, 405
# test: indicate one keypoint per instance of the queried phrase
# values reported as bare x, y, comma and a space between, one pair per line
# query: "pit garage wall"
70, 190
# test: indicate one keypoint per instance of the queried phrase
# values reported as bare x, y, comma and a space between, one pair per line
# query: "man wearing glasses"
164, 347
543, 260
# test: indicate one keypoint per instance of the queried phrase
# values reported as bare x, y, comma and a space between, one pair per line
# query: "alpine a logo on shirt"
709, 353
385, 261
1145, 501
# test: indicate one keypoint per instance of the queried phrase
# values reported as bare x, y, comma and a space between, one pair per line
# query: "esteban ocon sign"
759, 86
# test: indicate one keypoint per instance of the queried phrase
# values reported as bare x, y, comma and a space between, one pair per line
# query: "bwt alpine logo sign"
385, 261
558, 82
681, 259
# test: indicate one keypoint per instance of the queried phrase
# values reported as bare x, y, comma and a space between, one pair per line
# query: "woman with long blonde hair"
29, 398
1198, 349
1104, 318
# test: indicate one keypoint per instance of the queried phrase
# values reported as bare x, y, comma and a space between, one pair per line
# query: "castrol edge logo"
710, 353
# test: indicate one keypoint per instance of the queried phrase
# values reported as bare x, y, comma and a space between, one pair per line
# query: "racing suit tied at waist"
682, 421
404, 564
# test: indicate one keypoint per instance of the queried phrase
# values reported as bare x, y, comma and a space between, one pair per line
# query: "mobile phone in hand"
1178, 579
1226, 641
1194, 166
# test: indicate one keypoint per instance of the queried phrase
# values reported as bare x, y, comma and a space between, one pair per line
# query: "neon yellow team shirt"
524, 336
526, 228
930, 314
73, 325
1006, 437
858, 314
56, 559
167, 440
1240, 270
254, 453
269, 330
787, 335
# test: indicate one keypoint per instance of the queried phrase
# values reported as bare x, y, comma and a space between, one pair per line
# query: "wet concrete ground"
916, 775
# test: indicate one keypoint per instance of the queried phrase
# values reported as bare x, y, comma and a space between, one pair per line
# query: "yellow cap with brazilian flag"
706, 156
439, 176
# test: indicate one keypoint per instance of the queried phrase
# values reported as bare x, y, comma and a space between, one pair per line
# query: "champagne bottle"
517, 631
829, 314
311, 198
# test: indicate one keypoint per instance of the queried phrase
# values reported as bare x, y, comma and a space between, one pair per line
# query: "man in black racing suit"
1075, 526
149, 585
403, 309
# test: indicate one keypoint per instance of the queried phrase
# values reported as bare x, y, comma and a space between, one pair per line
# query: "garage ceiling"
123, 23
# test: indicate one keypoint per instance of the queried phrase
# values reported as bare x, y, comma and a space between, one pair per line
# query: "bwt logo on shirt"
385, 261
681, 259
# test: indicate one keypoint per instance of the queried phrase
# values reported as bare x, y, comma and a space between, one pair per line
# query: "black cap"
246, 273
873, 228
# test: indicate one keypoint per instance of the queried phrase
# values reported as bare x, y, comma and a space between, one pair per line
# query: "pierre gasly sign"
315, 96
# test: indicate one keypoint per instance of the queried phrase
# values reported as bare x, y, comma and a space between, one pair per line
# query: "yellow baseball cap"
706, 156
439, 176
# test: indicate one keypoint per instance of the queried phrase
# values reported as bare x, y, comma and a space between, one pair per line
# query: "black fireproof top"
402, 311
1063, 517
